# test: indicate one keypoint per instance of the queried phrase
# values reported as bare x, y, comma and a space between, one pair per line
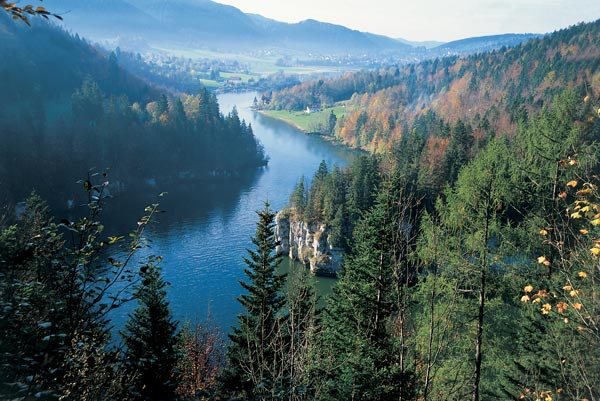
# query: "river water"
205, 231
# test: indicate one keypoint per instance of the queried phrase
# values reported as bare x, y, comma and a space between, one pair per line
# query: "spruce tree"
298, 198
151, 339
255, 366
361, 353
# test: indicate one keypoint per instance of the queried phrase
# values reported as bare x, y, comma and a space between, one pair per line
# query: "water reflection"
207, 229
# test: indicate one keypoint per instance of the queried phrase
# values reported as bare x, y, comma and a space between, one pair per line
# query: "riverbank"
297, 119
308, 123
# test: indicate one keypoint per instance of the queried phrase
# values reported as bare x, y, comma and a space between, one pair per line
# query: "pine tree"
151, 340
255, 366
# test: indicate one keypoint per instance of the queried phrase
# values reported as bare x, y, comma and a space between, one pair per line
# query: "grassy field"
210, 84
245, 77
307, 122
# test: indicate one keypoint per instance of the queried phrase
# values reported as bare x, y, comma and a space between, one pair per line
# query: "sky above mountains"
422, 20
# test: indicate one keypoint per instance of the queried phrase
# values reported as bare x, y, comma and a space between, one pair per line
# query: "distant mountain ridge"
484, 43
204, 24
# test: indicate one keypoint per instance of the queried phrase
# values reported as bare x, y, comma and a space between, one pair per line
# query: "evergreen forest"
69, 108
471, 232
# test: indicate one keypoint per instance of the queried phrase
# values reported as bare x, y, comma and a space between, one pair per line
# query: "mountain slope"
206, 24
67, 107
482, 43
43, 60
493, 90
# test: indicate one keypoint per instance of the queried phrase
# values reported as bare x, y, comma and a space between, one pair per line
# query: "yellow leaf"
537, 300
595, 251
567, 288
572, 184
572, 162
577, 305
574, 293
528, 288
582, 192
576, 215
543, 232
595, 222
583, 231
562, 195
546, 308
582, 274
525, 298
561, 307
586, 98
112, 240
541, 259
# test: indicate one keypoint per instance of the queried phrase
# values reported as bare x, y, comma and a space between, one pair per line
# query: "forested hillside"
471, 250
484, 290
487, 91
68, 108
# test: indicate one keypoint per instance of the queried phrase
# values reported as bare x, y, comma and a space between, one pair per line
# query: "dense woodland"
70, 108
476, 278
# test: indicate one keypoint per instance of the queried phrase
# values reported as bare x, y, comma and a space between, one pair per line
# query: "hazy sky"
431, 19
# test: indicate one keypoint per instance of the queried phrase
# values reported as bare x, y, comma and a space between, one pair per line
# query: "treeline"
68, 109
164, 140
488, 90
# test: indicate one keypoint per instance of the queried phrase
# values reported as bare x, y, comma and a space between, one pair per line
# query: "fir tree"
255, 366
151, 339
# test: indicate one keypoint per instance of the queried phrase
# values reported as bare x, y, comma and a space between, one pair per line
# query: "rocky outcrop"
307, 243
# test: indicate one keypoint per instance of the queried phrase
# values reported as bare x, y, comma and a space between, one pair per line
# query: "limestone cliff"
307, 243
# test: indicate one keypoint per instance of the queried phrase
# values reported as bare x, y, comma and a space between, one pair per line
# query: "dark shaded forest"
70, 108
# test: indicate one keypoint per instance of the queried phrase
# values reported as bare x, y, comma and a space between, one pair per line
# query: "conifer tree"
298, 197
300, 335
362, 356
254, 361
151, 340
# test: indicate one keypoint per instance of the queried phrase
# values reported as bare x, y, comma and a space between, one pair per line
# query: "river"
205, 232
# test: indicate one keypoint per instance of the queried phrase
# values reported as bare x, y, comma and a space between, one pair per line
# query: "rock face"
307, 243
